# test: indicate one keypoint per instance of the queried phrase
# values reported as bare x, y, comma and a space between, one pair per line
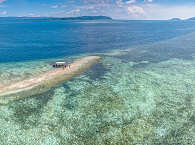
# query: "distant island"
73, 18
175, 19
178, 19
88, 18
191, 19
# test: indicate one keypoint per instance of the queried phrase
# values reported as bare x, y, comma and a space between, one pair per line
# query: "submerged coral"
126, 99
126, 105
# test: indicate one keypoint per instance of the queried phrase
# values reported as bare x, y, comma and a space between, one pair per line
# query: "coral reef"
126, 105
127, 99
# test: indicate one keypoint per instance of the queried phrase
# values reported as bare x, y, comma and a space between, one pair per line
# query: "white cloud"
119, 3
4, 13
54, 6
123, 9
87, 7
33, 15
131, 2
148, 1
136, 10
164, 12
74, 12
1, 1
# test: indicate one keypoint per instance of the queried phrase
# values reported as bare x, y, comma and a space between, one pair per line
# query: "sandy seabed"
34, 85
142, 97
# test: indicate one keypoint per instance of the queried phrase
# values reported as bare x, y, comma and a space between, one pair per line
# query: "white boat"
60, 64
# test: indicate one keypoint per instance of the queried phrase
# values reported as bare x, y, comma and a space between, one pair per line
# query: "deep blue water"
22, 40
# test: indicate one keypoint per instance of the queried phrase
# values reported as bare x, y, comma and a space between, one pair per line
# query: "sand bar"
45, 81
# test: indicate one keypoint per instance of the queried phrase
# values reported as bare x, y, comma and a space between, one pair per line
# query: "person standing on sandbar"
64, 66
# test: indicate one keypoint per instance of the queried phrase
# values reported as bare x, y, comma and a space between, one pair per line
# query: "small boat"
59, 64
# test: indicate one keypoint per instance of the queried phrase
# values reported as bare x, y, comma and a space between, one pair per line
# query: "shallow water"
141, 95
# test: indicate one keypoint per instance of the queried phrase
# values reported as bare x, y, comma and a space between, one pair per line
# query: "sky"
117, 9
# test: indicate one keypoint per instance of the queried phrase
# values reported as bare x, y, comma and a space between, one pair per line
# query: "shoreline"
45, 81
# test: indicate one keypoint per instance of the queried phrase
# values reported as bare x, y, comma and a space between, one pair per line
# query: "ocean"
24, 40
141, 92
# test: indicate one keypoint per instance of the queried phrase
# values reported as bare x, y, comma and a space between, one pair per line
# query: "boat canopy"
60, 63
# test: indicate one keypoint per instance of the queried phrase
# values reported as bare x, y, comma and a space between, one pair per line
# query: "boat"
59, 64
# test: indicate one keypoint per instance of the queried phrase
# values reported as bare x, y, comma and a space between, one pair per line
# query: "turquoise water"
142, 91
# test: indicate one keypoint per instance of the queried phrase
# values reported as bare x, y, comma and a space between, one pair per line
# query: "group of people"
61, 65
66, 66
